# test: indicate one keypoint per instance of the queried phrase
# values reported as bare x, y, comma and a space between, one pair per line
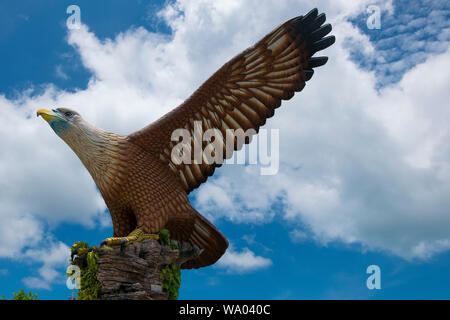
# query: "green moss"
79, 245
171, 274
23, 296
164, 237
90, 287
171, 277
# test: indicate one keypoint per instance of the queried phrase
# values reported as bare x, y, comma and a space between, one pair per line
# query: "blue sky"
360, 205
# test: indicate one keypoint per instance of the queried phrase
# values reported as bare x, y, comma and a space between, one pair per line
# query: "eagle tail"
209, 239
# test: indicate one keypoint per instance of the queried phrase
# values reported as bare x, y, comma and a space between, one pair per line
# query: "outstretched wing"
243, 93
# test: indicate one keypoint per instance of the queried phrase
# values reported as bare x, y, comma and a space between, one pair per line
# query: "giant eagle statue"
144, 188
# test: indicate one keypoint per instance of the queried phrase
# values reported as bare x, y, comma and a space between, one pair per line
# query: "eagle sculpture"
143, 187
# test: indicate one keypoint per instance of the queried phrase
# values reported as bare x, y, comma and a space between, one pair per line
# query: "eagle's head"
86, 140
61, 120
73, 129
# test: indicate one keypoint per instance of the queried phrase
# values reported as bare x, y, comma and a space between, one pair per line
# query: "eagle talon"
123, 244
73, 254
137, 235
81, 251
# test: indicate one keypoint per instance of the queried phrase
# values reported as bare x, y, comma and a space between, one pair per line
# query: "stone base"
132, 273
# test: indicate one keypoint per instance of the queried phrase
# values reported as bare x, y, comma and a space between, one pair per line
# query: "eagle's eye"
68, 114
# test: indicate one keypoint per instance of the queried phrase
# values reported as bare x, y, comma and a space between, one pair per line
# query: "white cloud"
297, 235
362, 166
242, 262
53, 259
407, 37
357, 165
60, 72
222, 196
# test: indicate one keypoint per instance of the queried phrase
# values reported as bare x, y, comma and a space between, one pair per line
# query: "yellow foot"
137, 235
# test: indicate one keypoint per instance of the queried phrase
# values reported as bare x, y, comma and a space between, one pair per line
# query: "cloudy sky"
364, 176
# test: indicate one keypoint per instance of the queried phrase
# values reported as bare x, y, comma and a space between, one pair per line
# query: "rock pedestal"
135, 272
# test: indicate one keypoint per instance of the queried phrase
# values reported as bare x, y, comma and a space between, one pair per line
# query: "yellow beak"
48, 114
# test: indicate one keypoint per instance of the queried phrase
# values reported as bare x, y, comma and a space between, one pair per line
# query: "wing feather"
242, 94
